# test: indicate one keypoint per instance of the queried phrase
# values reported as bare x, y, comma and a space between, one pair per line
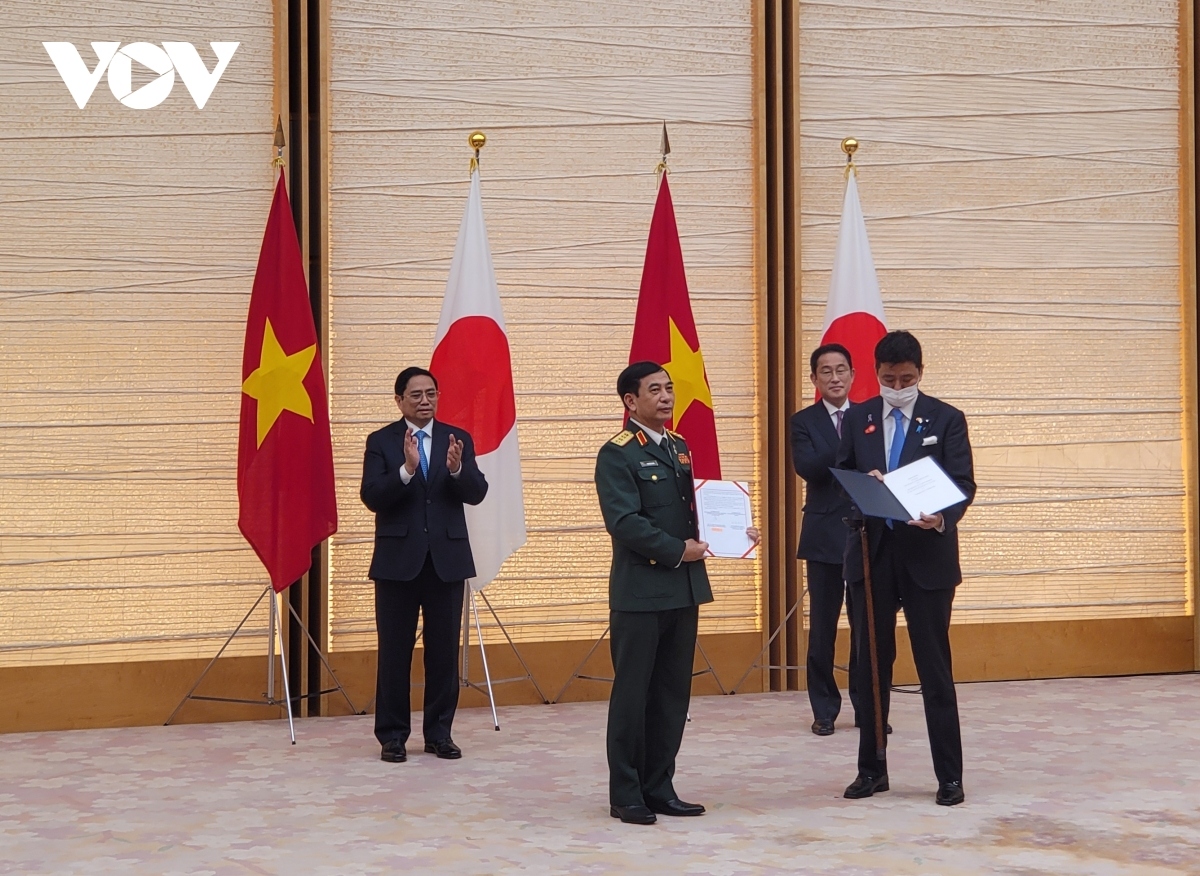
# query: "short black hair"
408, 374
631, 378
895, 348
828, 348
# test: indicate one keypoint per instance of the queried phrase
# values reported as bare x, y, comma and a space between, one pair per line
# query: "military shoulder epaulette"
622, 438
674, 434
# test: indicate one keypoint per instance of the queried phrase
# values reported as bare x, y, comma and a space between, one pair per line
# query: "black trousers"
396, 606
825, 590
652, 653
927, 613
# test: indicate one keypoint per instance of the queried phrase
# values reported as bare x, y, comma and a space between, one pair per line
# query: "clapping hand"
412, 453
454, 455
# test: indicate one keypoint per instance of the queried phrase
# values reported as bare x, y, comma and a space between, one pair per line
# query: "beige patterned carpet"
1097, 776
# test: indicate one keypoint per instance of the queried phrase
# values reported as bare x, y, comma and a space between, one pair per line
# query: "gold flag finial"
280, 142
850, 146
665, 148
476, 140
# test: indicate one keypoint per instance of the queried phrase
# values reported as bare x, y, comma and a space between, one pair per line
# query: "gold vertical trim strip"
1188, 292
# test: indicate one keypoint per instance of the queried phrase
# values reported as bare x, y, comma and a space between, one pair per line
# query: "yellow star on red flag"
278, 382
687, 373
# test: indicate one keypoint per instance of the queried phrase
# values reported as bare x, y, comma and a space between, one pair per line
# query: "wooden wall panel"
1020, 171
145, 692
129, 244
572, 97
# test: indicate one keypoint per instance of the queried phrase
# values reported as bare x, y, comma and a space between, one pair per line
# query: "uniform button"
653, 477
654, 562
427, 529
429, 501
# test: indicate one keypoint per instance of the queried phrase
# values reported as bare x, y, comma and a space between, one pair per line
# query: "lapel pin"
870, 428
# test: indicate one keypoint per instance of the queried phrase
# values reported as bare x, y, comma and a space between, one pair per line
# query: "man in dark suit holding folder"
914, 564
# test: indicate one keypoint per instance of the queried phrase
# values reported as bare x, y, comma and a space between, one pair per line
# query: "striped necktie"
421, 453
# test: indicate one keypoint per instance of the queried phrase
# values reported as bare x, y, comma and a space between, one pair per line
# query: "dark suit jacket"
930, 557
649, 505
814, 451
424, 516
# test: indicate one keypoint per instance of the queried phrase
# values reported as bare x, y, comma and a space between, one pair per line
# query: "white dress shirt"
833, 412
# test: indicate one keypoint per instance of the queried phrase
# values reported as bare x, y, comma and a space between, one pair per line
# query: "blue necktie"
421, 452
897, 447
897, 440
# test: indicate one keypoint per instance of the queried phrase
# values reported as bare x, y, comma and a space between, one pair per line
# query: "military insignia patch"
684, 459
622, 438
642, 439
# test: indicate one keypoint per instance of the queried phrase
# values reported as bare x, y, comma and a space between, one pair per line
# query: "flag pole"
850, 146
477, 140
664, 147
276, 615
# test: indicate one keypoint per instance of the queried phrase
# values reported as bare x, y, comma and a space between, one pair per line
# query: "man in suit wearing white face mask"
914, 563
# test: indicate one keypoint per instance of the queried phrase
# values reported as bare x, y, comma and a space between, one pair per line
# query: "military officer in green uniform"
656, 587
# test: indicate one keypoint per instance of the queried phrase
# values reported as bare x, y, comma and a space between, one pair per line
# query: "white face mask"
899, 398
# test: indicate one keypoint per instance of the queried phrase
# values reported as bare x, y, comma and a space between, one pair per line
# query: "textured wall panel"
1020, 176
572, 96
128, 248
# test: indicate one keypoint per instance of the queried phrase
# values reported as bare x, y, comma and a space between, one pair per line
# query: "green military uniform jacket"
648, 501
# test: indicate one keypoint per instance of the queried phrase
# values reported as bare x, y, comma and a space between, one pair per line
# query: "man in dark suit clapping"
816, 431
417, 475
914, 563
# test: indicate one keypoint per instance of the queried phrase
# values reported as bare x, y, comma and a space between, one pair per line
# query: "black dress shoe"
676, 807
887, 728
445, 749
393, 752
823, 727
633, 814
865, 786
950, 794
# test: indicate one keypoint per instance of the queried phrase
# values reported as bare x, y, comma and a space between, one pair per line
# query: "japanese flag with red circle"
474, 371
854, 313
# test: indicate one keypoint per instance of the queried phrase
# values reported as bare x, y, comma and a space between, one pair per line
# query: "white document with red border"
723, 512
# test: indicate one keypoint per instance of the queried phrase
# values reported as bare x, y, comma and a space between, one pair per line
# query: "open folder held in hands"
921, 487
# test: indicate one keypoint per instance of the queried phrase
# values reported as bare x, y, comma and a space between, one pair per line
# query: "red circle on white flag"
858, 332
475, 385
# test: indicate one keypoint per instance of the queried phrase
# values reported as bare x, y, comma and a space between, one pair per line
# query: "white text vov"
118, 61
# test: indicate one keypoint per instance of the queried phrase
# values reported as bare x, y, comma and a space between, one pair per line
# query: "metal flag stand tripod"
471, 609
274, 636
471, 612
758, 664
578, 672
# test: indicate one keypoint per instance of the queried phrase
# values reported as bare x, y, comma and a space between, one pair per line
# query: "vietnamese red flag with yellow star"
664, 331
286, 498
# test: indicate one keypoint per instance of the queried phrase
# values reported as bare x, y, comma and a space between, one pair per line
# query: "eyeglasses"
416, 395
843, 371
